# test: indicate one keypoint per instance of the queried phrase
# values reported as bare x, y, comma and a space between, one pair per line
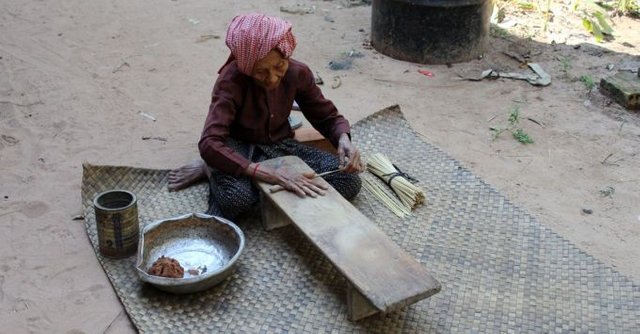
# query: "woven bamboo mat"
500, 270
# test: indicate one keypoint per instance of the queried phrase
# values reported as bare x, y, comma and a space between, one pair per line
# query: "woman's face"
269, 71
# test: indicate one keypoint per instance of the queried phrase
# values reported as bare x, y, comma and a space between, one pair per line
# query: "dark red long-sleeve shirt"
243, 110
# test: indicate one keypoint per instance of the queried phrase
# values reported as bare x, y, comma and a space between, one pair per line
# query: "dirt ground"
80, 81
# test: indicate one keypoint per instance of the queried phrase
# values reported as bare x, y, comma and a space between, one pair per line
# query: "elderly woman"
248, 123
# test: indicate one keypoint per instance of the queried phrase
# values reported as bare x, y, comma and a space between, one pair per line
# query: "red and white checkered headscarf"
251, 36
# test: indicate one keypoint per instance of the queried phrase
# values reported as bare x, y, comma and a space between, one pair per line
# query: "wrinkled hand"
302, 184
349, 155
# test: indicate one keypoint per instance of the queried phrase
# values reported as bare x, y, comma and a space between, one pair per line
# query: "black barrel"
431, 31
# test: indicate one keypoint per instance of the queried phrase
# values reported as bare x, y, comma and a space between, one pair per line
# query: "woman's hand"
302, 184
349, 156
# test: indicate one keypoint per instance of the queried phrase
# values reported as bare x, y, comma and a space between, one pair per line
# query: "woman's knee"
234, 199
236, 202
349, 186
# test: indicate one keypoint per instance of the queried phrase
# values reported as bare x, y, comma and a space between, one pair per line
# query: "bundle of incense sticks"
401, 183
385, 196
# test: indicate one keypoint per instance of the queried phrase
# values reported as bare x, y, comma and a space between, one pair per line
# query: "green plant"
522, 137
594, 18
588, 81
498, 13
498, 32
566, 64
525, 5
628, 7
496, 132
516, 132
547, 16
514, 116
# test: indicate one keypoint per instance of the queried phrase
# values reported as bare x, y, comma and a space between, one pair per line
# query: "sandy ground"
77, 76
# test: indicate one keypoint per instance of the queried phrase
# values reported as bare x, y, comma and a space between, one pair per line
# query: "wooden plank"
358, 305
624, 88
376, 267
272, 216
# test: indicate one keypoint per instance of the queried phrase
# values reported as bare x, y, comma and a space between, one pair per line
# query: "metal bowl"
207, 247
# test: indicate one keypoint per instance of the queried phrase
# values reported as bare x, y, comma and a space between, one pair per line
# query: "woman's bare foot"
187, 175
